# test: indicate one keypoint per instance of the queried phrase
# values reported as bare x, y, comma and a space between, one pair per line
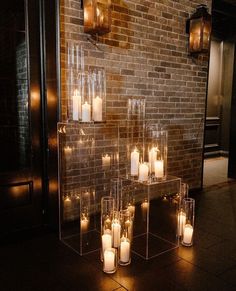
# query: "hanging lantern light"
199, 29
97, 16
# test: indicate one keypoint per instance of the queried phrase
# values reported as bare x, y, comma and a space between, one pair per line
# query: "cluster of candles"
142, 169
88, 96
116, 239
86, 112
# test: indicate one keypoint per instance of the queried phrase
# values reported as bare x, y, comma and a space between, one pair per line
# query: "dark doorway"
25, 132
217, 146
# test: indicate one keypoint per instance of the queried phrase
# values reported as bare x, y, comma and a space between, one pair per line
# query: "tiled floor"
215, 171
45, 264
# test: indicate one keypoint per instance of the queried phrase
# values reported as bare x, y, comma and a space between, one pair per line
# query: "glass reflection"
14, 101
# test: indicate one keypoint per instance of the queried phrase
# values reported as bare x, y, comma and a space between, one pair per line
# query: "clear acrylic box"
155, 221
88, 160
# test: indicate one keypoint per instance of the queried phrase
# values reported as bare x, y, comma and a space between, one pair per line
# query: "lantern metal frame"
199, 27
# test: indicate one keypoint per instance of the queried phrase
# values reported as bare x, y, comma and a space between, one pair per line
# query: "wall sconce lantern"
199, 29
97, 16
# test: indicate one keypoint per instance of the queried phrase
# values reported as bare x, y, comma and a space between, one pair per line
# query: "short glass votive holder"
188, 227
110, 261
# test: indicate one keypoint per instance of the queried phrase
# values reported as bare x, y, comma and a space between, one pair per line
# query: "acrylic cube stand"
88, 159
155, 222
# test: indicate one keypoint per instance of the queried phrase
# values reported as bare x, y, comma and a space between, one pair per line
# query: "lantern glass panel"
97, 16
195, 35
206, 35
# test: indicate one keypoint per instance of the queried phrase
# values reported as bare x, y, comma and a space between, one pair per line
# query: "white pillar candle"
188, 234
159, 169
97, 109
152, 155
134, 162
143, 172
76, 105
181, 220
86, 112
106, 161
116, 233
109, 261
125, 251
106, 241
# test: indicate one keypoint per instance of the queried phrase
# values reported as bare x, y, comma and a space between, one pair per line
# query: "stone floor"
44, 263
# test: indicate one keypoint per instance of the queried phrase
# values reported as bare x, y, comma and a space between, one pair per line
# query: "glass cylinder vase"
98, 91
188, 227
181, 215
157, 153
134, 156
86, 97
116, 229
75, 65
126, 238
107, 212
116, 192
85, 205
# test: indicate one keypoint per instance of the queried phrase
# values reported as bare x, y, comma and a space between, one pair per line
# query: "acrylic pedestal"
155, 221
88, 160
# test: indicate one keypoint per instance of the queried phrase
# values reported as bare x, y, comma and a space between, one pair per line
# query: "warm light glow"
131, 209
67, 150
97, 16
67, 199
187, 234
106, 161
199, 30
84, 222
145, 205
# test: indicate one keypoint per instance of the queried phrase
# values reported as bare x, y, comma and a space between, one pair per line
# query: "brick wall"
145, 55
